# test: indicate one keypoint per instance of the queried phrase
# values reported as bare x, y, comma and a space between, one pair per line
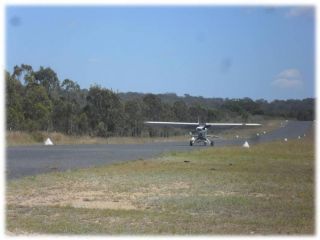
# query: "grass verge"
18, 138
267, 189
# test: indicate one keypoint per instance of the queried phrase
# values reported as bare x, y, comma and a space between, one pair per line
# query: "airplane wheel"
212, 143
191, 143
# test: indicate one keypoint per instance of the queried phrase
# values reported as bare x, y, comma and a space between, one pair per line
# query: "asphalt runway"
31, 160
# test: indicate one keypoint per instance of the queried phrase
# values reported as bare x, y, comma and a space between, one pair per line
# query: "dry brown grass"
16, 138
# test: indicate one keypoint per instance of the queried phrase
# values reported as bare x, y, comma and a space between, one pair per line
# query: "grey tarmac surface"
31, 160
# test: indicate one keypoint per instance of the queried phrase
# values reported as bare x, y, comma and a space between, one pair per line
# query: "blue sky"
210, 51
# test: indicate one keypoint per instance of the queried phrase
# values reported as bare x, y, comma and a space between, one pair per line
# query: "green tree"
70, 86
198, 112
37, 108
152, 107
14, 102
104, 106
82, 122
28, 74
181, 111
49, 80
69, 106
134, 117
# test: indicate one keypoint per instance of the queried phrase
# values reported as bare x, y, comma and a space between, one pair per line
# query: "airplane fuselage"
201, 136
202, 132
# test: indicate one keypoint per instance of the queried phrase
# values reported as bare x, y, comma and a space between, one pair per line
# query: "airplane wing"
233, 124
172, 124
188, 124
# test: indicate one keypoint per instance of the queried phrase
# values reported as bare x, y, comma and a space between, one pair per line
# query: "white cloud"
290, 73
300, 11
288, 79
287, 83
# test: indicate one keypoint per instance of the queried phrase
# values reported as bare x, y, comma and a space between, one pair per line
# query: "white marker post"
246, 145
48, 142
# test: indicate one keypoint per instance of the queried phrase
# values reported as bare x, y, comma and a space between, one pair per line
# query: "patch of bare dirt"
77, 196
78, 199
103, 205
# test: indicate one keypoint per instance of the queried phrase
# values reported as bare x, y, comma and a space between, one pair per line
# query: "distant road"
31, 160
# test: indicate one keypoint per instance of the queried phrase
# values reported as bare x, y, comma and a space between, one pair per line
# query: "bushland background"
37, 100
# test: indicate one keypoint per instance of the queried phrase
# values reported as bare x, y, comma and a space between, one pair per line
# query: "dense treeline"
38, 100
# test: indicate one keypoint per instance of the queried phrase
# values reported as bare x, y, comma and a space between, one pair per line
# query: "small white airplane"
201, 129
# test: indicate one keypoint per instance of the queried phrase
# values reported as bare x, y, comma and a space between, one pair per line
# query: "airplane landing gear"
205, 142
208, 142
